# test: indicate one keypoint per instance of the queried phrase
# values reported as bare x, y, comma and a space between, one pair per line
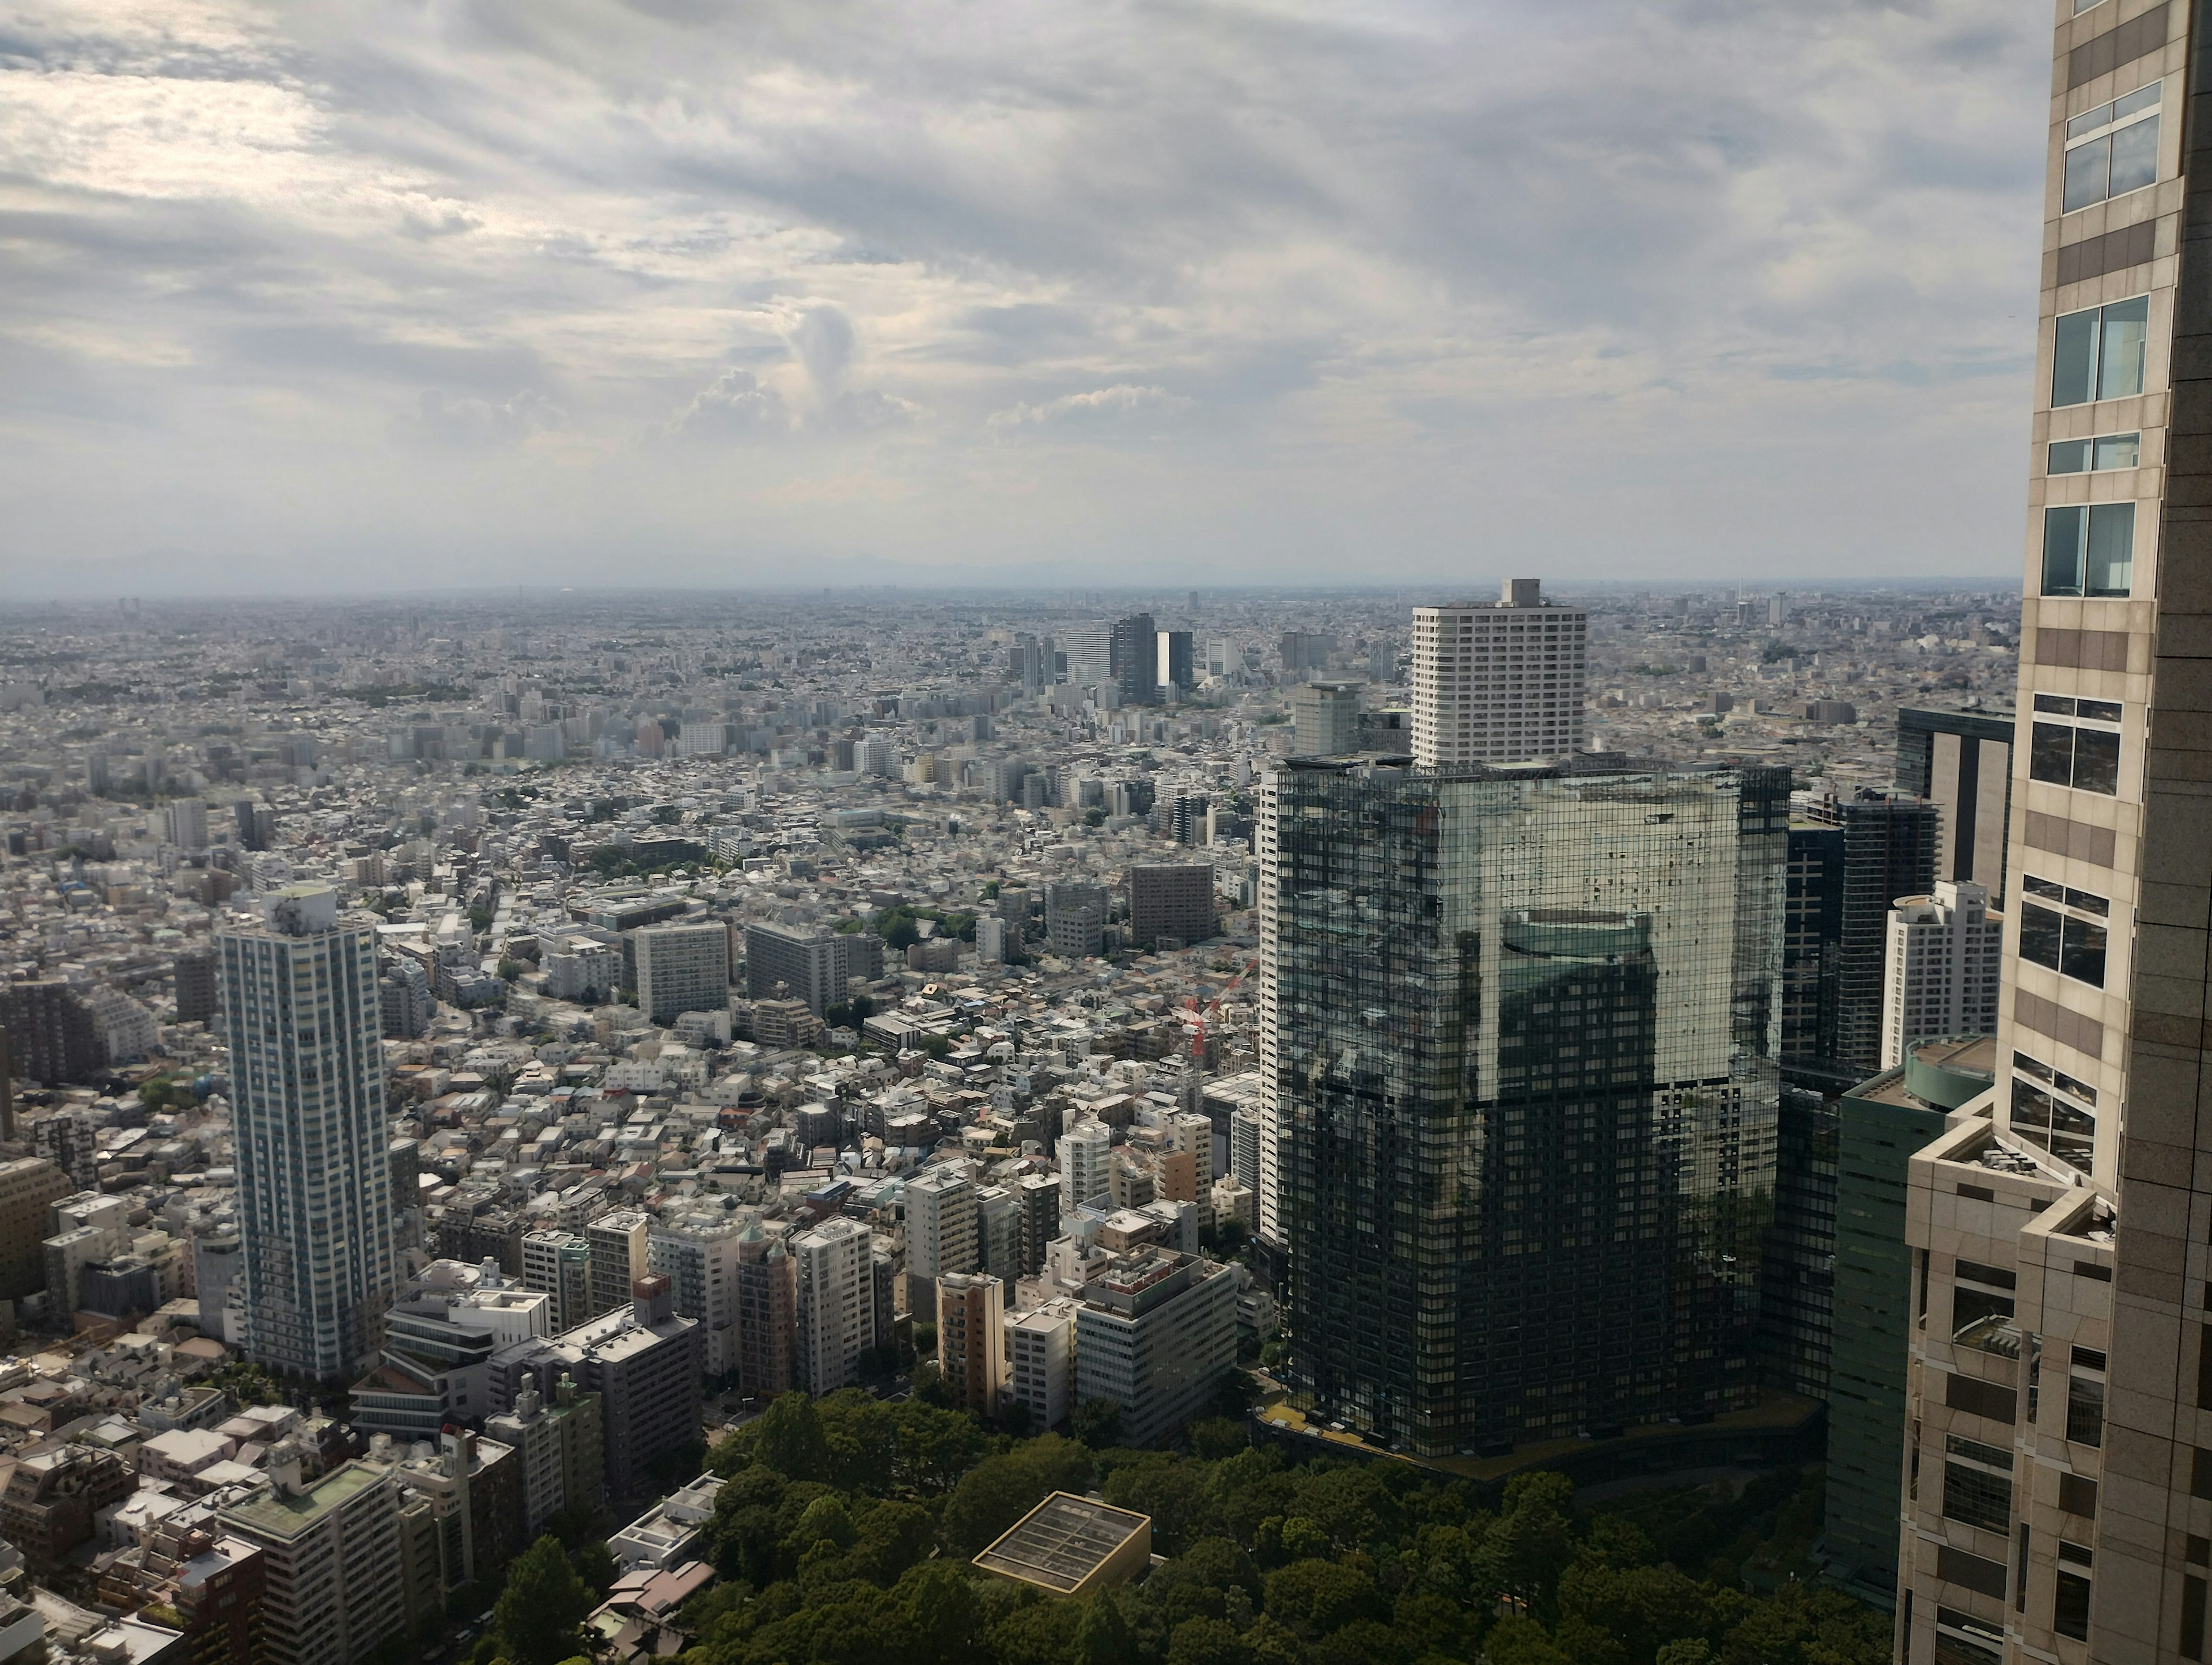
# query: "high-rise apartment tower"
1500, 681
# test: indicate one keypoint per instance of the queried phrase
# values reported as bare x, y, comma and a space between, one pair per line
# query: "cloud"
1100, 406
734, 405
445, 421
1758, 276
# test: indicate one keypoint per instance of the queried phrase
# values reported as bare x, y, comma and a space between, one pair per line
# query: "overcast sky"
376, 295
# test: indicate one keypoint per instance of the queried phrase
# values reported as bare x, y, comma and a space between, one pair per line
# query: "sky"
407, 294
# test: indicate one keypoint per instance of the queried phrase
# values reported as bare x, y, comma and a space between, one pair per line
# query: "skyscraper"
940, 1232
1326, 716
1961, 761
1498, 681
314, 1194
1522, 1060
1132, 659
2062, 1357
836, 1303
1941, 973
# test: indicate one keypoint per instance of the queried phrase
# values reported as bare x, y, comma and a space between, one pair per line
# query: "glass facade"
1526, 1028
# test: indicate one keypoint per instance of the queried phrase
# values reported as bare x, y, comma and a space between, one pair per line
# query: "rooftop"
276, 1516
1065, 1541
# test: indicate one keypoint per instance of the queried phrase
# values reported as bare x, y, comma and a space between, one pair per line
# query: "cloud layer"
496, 288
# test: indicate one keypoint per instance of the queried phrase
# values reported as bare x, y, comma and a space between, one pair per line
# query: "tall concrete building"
1075, 918
940, 1232
28, 1188
620, 1252
1086, 1149
1172, 902
1961, 763
330, 1549
1522, 1066
1325, 718
1498, 681
2061, 1373
1940, 976
1132, 652
681, 968
768, 1312
1156, 1332
559, 1264
836, 1303
971, 1339
801, 962
696, 1250
314, 1189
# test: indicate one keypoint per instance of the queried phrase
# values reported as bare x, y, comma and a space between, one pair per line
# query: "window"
1977, 1484
2067, 1131
2088, 548
2067, 755
2113, 149
2072, 947
2093, 456
2085, 1409
2098, 354
2069, 1607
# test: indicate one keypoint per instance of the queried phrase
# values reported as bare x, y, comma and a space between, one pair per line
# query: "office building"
621, 1250
1880, 1123
1075, 918
1498, 681
1155, 1334
52, 1037
971, 1340
1325, 717
404, 993
1812, 953
1085, 654
330, 1549
1889, 851
998, 1232
29, 1189
1178, 672
2056, 1386
1797, 1259
768, 1312
197, 996
314, 1189
836, 1303
798, 963
187, 823
1041, 1361
1171, 903
1301, 652
696, 1250
1961, 763
1132, 659
681, 968
1940, 976
1086, 1149
1520, 1060
940, 1232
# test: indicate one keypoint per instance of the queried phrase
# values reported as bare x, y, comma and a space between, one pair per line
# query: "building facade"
1522, 1064
681, 968
2058, 1379
1155, 1334
971, 1340
1171, 902
1961, 763
1498, 681
314, 1192
836, 1303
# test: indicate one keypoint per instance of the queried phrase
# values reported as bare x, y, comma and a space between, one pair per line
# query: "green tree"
788, 1438
543, 1604
1096, 1423
999, 1491
1101, 1634
1314, 1597
1691, 1650
1206, 1641
1516, 1641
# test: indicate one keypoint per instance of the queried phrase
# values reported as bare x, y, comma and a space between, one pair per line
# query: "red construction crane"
1196, 1015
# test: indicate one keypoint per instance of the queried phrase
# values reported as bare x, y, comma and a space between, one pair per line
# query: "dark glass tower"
1522, 1043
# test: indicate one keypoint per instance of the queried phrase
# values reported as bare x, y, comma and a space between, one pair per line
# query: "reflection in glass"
2120, 351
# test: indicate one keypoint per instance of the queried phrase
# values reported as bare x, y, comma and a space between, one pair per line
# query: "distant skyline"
349, 301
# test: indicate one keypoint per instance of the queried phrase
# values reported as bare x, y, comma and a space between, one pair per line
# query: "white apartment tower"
1085, 1150
697, 1253
1940, 976
681, 968
314, 1186
941, 1233
836, 1306
1498, 681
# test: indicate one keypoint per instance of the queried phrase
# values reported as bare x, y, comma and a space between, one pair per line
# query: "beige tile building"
2057, 1488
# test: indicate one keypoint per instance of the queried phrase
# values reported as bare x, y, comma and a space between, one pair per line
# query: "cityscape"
1554, 1115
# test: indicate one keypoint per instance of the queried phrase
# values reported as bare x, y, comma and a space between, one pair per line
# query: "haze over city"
308, 299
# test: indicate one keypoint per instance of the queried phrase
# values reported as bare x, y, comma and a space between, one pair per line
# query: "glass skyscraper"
1521, 1030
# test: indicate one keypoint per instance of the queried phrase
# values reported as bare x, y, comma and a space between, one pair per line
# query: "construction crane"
1195, 1015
